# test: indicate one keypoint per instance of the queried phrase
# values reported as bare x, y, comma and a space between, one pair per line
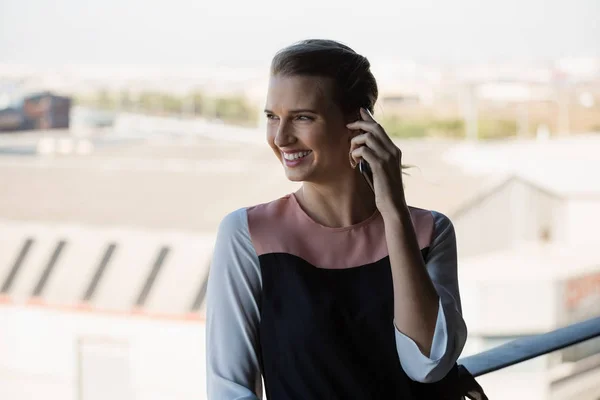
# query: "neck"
344, 202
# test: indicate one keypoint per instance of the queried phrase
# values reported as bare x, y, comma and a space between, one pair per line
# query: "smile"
296, 156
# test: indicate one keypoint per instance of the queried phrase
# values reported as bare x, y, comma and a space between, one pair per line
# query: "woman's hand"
375, 146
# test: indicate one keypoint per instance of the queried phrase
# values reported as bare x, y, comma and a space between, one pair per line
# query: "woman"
336, 291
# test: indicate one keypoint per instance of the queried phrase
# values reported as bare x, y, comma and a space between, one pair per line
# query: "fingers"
368, 124
366, 115
367, 154
375, 138
379, 157
367, 139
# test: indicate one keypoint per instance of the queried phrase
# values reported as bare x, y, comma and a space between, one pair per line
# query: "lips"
292, 159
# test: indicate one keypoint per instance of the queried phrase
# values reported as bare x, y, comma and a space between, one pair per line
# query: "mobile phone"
365, 170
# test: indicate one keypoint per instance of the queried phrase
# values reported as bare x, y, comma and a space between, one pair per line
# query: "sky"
245, 33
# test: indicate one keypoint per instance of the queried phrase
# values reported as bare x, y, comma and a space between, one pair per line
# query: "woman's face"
306, 128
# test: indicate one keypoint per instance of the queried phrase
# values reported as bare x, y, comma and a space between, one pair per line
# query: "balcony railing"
524, 349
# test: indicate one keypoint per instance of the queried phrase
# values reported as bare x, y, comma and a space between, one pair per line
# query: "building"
29, 111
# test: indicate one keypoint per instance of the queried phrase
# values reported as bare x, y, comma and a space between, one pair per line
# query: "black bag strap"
469, 386
458, 384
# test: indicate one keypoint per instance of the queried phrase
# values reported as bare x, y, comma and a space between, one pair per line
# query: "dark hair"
355, 85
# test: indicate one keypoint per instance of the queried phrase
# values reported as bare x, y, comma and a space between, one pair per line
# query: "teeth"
295, 156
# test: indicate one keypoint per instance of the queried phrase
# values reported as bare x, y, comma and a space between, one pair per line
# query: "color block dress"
303, 311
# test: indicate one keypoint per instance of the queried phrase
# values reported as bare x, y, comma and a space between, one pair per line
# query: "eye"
304, 118
271, 116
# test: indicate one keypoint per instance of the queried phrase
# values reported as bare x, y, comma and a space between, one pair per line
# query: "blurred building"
527, 260
35, 111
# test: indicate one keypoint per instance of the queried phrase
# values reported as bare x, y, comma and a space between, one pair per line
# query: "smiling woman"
338, 290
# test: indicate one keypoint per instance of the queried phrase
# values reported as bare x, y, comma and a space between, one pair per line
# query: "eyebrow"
297, 111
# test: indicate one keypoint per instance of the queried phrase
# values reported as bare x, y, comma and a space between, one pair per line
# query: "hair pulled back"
355, 85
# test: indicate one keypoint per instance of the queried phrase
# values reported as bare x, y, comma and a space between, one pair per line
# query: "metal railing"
524, 349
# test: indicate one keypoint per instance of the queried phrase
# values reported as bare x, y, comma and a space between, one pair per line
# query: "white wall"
582, 220
585, 386
39, 349
509, 307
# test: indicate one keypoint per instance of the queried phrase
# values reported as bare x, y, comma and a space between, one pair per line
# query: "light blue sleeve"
233, 314
450, 330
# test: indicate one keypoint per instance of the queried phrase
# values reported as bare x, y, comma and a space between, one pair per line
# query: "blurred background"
128, 129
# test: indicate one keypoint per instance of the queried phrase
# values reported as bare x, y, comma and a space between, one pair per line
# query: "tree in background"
234, 109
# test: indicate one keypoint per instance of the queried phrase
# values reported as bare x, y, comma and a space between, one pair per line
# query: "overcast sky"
199, 32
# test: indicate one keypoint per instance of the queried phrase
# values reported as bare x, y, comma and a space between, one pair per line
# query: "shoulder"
443, 240
269, 211
430, 225
423, 223
233, 249
241, 219
443, 226
269, 219
234, 223
254, 225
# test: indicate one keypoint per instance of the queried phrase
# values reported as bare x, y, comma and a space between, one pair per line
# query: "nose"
284, 135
